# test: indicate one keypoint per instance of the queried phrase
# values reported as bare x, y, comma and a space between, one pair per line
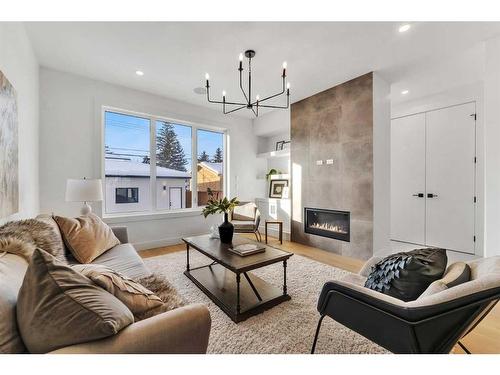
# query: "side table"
280, 228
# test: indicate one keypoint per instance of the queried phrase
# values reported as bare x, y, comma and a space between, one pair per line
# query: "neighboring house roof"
214, 167
127, 168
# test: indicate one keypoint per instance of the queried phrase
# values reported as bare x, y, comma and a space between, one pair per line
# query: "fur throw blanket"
160, 286
23, 236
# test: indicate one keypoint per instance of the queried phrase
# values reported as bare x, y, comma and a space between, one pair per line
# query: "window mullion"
194, 167
152, 163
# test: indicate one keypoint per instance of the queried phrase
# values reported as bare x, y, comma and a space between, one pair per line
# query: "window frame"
195, 126
127, 190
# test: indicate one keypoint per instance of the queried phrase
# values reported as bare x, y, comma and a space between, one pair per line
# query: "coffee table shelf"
228, 282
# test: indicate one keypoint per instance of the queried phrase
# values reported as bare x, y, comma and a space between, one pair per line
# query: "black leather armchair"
432, 324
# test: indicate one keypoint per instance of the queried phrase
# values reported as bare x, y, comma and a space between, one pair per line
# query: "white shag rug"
284, 329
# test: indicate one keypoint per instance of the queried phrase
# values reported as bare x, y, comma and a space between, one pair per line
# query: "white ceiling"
175, 56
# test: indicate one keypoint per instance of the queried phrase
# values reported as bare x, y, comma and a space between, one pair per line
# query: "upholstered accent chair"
433, 323
246, 219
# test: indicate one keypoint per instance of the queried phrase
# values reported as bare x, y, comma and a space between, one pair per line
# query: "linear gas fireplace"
327, 223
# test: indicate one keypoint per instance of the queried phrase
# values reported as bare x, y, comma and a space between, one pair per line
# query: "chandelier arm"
220, 102
255, 113
241, 87
275, 95
277, 106
273, 106
235, 109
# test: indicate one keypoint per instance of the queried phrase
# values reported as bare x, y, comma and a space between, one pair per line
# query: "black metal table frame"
254, 311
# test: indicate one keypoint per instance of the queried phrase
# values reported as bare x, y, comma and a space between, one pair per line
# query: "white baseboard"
162, 242
273, 232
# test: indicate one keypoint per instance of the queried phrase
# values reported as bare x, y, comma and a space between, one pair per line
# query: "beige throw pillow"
136, 297
86, 237
58, 306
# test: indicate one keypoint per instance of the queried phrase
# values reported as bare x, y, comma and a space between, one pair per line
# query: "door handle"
431, 195
420, 195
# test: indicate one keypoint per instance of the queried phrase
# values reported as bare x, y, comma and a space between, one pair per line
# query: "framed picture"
9, 179
279, 145
278, 188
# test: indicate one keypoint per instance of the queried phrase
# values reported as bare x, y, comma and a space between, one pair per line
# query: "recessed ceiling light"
404, 28
404, 92
139, 72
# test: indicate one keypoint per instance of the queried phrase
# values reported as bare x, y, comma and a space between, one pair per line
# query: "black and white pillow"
407, 275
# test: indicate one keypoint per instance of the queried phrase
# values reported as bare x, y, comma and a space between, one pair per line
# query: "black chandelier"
255, 105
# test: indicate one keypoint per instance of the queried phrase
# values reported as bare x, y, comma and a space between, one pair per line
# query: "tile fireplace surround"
335, 124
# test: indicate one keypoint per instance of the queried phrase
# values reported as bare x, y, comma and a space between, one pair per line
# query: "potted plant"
224, 206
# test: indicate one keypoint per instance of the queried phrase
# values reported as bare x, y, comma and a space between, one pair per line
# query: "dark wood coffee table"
221, 280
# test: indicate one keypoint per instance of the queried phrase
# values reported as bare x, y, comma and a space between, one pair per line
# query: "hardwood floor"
484, 339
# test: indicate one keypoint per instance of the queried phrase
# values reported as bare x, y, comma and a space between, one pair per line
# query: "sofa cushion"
87, 236
407, 275
58, 306
244, 212
12, 270
135, 296
124, 259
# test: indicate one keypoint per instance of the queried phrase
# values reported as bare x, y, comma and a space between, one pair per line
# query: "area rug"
286, 328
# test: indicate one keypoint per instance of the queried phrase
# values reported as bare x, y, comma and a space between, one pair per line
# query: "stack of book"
246, 249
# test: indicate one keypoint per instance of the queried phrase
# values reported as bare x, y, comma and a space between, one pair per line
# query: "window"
173, 165
127, 195
210, 165
126, 158
155, 156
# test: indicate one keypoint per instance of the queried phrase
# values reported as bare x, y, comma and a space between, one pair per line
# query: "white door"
450, 176
175, 196
408, 179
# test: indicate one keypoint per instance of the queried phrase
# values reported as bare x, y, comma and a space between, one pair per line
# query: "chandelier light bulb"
223, 92
241, 57
288, 85
207, 76
257, 97
284, 65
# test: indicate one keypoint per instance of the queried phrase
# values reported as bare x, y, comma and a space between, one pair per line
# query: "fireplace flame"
329, 227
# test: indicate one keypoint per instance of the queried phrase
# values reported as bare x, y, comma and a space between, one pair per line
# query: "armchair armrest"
121, 233
183, 330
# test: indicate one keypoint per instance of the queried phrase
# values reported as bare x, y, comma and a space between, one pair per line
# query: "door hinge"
475, 199
474, 238
474, 115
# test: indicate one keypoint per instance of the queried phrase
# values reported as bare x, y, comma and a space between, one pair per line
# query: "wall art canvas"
9, 173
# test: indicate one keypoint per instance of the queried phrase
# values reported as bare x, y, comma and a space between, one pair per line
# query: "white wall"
381, 163
18, 63
272, 123
71, 138
459, 95
491, 147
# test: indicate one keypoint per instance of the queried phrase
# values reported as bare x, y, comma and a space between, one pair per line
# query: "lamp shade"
83, 190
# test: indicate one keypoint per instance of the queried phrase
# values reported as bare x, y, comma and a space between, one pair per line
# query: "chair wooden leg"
317, 334
256, 236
